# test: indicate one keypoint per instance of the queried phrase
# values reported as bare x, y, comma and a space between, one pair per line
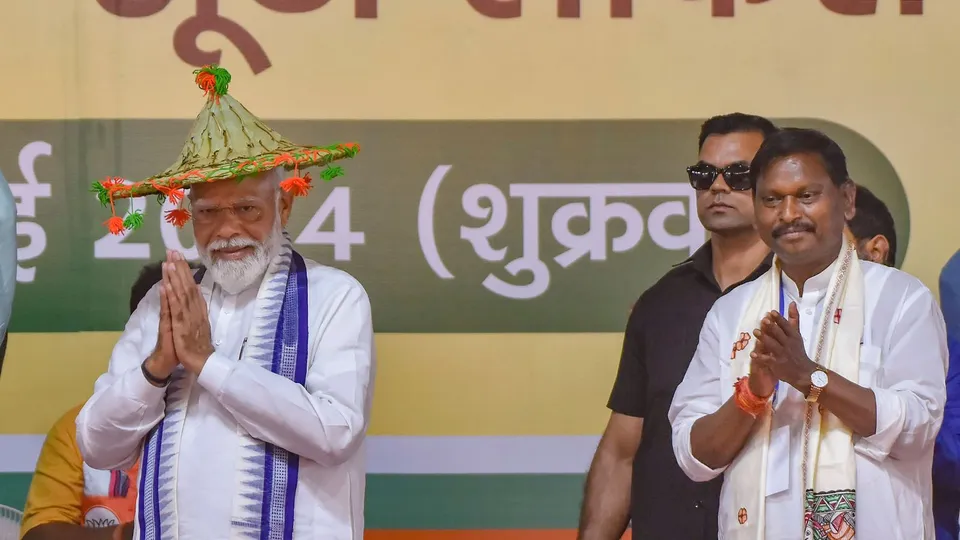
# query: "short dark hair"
793, 141
725, 124
150, 275
873, 218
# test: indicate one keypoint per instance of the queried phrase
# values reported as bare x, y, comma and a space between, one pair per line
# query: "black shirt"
660, 340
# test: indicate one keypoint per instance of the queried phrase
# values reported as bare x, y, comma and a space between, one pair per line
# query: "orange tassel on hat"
105, 190
178, 217
115, 225
298, 185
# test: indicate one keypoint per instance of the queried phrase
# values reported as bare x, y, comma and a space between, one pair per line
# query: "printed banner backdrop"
520, 183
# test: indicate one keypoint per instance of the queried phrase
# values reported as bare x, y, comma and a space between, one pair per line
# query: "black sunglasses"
736, 175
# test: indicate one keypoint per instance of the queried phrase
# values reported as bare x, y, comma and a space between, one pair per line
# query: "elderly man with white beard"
245, 387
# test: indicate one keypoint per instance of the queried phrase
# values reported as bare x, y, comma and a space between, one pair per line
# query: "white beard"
237, 276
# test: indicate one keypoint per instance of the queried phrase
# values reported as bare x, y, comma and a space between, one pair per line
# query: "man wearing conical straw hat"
244, 387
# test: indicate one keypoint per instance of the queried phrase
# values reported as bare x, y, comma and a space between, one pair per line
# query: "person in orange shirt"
69, 500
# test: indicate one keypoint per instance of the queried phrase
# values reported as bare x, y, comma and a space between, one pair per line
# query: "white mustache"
233, 243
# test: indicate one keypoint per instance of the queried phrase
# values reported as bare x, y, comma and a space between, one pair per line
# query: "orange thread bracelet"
745, 399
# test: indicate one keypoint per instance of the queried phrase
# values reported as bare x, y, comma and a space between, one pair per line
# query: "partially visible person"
873, 228
946, 457
69, 500
817, 390
634, 473
8, 261
950, 295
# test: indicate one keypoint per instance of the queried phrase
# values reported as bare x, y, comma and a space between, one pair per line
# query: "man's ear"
849, 192
876, 249
286, 205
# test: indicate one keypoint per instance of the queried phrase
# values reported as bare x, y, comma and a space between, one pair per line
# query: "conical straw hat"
226, 142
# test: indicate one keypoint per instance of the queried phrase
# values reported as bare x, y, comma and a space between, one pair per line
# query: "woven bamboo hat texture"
226, 142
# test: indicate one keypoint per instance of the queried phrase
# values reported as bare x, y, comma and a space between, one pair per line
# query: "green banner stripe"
439, 501
13, 489
473, 501
537, 226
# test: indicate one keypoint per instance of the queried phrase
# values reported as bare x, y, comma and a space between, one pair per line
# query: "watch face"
819, 379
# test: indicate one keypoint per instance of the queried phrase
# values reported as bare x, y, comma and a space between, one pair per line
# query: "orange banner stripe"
519, 534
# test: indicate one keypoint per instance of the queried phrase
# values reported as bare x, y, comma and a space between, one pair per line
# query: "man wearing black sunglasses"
643, 483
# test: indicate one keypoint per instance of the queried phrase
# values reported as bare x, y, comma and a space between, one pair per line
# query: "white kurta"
903, 359
323, 422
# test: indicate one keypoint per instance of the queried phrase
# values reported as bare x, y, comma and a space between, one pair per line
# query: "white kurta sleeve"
698, 395
124, 406
911, 385
324, 420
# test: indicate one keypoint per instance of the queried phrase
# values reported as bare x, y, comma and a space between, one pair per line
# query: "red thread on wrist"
746, 400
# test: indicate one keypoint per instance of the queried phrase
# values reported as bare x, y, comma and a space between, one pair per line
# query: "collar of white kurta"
266, 484
828, 468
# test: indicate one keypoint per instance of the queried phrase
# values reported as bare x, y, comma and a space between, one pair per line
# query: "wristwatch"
818, 381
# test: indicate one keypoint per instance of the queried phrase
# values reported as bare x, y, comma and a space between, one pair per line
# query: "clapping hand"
190, 326
781, 351
762, 381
